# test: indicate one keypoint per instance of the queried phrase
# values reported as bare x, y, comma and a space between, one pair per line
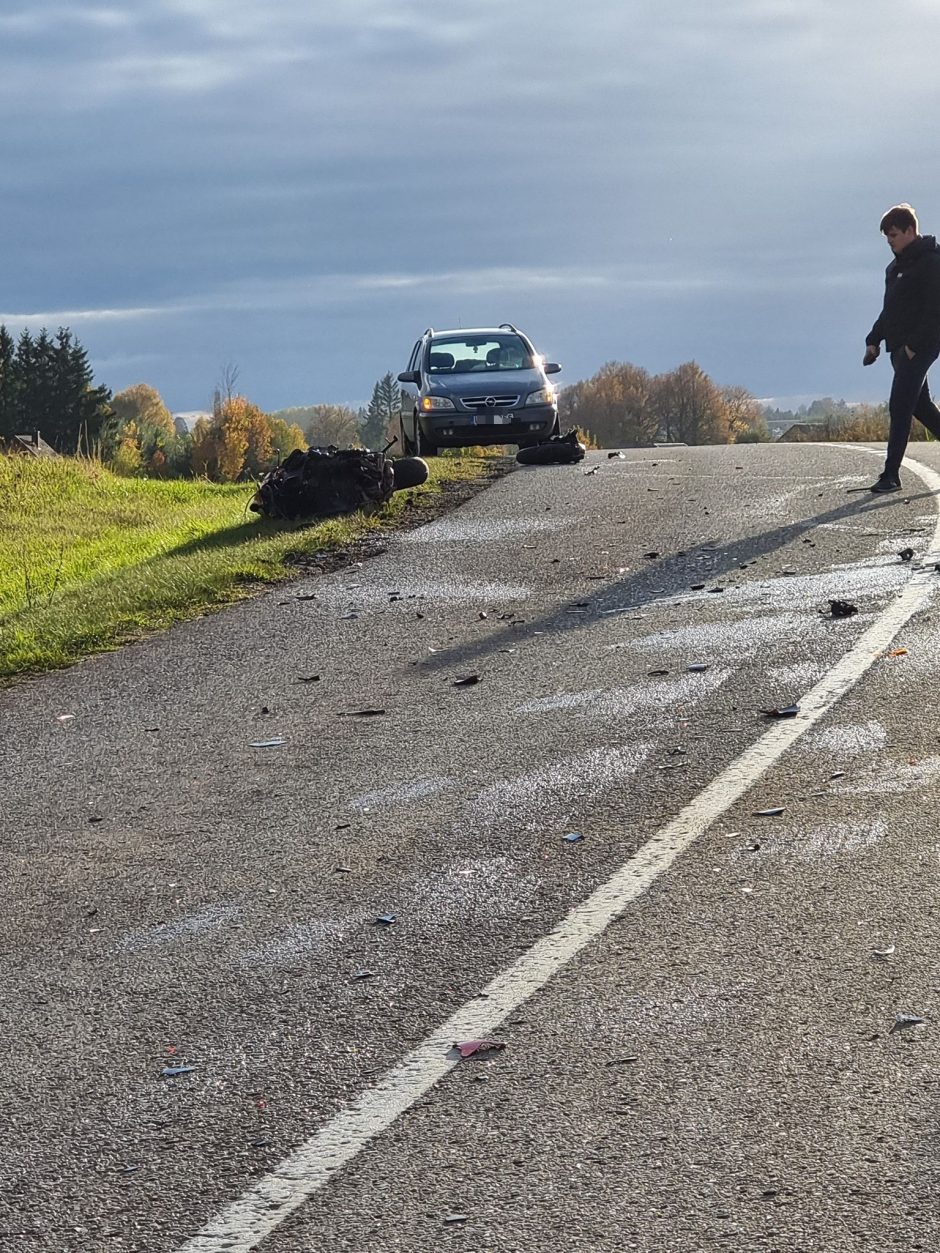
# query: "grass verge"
89, 560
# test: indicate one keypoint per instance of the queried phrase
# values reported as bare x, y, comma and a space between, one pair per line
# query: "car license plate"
491, 419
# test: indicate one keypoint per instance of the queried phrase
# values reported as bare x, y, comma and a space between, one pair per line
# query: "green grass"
89, 560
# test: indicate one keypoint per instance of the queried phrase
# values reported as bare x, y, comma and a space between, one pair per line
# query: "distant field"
89, 560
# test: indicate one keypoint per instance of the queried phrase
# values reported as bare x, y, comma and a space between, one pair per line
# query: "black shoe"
886, 483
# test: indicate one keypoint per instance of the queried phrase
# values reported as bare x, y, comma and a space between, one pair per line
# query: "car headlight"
544, 396
436, 402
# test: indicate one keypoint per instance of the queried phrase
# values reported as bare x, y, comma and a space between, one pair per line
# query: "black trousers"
910, 398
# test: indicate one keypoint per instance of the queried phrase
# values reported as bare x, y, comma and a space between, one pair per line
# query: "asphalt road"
716, 1070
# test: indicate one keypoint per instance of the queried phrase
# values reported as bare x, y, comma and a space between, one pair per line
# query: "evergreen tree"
381, 420
8, 383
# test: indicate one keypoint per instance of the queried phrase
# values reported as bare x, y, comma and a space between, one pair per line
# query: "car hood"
487, 382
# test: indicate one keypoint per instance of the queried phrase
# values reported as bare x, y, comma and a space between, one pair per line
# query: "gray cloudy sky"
298, 187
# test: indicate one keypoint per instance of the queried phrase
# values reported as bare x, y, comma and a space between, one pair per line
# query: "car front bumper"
455, 430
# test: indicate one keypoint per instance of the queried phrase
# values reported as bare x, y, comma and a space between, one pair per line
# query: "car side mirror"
551, 367
409, 376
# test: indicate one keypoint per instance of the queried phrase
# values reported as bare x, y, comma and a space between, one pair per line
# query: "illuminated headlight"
436, 402
544, 396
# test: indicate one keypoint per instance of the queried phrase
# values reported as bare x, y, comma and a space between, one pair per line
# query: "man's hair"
902, 217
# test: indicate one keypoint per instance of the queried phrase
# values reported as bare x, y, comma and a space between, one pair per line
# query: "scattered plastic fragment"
618, 455
784, 711
267, 743
594, 471
697, 587
655, 673
470, 1048
170, 1072
455, 1218
572, 837
698, 667
363, 974
362, 713
308, 678
651, 556
65, 717
468, 680
386, 920
906, 554
896, 652
883, 952
842, 609
622, 1061
773, 812
904, 1022
837, 774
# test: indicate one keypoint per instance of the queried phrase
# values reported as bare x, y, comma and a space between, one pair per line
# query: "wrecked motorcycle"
323, 482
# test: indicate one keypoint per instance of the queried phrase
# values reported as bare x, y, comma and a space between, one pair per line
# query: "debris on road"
456, 1218
558, 450
468, 680
698, 667
386, 920
363, 974
883, 952
472, 1048
615, 455
651, 556
171, 1072
656, 673
903, 1022
906, 554
784, 711
308, 678
588, 473
842, 609
267, 743
573, 837
362, 713
896, 652
773, 812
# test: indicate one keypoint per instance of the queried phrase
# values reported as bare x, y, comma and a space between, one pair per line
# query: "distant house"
31, 445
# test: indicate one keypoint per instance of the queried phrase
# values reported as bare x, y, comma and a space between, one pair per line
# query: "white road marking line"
244, 1223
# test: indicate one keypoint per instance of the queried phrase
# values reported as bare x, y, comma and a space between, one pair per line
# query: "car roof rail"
429, 331
508, 326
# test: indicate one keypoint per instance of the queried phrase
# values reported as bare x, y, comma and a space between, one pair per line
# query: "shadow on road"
706, 562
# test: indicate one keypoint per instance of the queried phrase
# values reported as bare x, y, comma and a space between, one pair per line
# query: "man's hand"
871, 354
910, 355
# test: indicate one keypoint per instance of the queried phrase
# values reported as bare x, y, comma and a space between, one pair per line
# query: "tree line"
47, 385
623, 405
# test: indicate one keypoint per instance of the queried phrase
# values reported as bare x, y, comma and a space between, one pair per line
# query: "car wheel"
424, 447
407, 445
410, 472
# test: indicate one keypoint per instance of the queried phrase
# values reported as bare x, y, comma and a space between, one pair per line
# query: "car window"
471, 354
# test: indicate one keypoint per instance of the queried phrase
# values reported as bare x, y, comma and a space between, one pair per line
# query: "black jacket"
911, 313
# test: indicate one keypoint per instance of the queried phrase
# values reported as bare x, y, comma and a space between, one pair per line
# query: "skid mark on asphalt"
907, 778
417, 587
297, 943
480, 530
244, 1223
212, 918
847, 741
835, 839
732, 637
382, 798
546, 797
621, 701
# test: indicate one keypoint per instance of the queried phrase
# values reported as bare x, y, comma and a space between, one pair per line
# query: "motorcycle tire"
409, 472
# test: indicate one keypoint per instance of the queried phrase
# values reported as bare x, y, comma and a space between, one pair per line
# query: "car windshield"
465, 354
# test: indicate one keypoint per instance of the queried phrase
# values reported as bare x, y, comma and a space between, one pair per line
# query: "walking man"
909, 324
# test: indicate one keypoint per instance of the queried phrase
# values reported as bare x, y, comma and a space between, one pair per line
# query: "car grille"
492, 400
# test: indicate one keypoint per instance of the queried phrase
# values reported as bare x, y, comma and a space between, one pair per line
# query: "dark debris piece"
784, 711
842, 609
774, 812
906, 554
468, 680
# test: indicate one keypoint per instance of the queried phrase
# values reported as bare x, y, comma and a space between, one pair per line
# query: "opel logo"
490, 402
